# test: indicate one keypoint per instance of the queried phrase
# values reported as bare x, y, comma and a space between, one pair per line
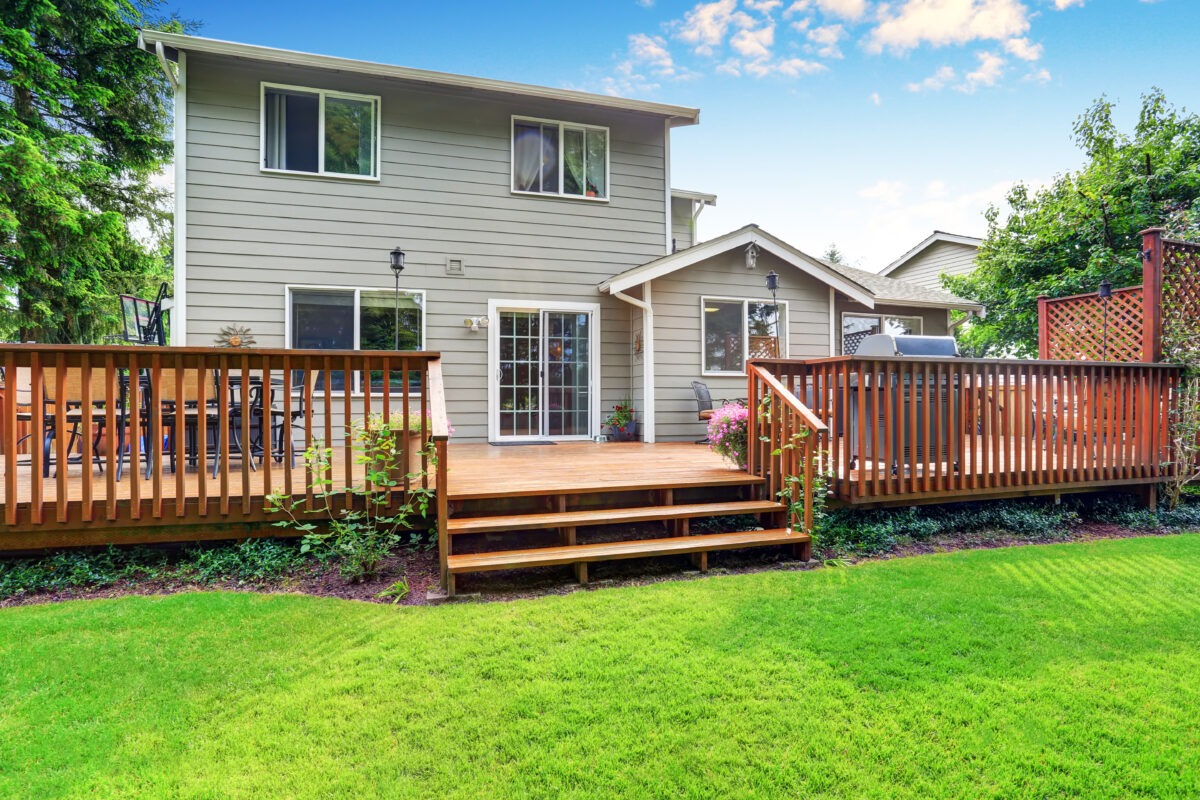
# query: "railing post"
1043, 328
1152, 261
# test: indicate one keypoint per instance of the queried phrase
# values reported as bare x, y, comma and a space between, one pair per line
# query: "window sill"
293, 173
553, 196
723, 374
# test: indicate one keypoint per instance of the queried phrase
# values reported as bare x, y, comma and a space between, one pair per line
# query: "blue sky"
858, 122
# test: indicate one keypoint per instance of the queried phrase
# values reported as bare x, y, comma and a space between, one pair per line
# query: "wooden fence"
128, 443
930, 430
1136, 323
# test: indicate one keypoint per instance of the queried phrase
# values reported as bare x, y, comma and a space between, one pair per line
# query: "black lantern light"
773, 287
1105, 295
397, 264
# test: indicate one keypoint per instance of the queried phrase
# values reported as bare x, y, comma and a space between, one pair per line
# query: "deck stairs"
495, 530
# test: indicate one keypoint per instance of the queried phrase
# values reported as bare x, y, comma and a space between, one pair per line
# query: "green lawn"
1066, 670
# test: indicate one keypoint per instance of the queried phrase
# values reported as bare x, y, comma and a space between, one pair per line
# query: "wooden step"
609, 516
611, 551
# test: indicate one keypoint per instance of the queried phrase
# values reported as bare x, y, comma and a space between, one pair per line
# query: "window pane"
902, 326
723, 336
377, 321
323, 320
597, 163
291, 130
767, 323
572, 161
550, 158
854, 330
527, 157
349, 136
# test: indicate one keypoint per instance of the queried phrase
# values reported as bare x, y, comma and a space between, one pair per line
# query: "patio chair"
185, 410
71, 403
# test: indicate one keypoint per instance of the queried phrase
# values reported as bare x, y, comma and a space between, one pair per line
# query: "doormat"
518, 444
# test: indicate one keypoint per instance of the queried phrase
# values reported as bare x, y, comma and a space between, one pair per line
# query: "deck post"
1152, 261
1043, 328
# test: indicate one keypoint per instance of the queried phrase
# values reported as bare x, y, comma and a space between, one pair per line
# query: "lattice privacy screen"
1076, 329
1180, 296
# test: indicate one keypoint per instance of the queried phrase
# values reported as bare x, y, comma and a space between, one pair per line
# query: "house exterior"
547, 257
938, 254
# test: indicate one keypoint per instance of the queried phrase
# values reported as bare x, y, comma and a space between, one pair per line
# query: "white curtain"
527, 158
276, 130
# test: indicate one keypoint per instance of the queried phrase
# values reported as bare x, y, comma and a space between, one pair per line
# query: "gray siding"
682, 225
948, 258
677, 330
444, 192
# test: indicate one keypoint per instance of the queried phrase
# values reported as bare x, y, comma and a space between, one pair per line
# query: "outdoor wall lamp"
1146, 254
397, 263
475, 323
773, 287
1105, 294
752, 256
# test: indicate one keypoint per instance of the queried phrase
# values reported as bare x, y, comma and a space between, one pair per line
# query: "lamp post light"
397, 263
1105, 295
773, 287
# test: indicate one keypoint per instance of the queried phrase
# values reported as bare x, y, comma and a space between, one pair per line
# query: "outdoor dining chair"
66, 402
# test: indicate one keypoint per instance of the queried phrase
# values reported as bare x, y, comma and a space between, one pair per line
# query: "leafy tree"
1084, 227
84, 118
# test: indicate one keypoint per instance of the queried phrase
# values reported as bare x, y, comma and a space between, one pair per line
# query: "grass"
1061, 670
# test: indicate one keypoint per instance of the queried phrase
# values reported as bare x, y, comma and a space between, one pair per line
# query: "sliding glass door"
543, 374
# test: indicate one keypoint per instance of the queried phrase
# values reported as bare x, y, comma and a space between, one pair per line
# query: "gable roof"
740, 238
864, 287
927, 242
150, 39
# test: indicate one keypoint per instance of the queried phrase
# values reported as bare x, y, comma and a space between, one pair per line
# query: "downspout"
647, 356
952, 324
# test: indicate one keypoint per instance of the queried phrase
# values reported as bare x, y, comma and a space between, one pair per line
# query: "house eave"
933, 238
148, 39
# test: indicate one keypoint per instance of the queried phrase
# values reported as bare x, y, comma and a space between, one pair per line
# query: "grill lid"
885, 344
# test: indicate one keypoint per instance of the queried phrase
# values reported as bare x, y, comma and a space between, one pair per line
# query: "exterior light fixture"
1105, 295
773, 287
396, 260
751, 256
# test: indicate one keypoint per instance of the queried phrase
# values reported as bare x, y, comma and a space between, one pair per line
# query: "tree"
84, 118
1084, 227
834, 256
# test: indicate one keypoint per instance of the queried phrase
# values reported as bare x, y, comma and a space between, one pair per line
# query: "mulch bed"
421, 570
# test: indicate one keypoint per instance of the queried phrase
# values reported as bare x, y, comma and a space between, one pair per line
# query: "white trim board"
678, 115
741, 238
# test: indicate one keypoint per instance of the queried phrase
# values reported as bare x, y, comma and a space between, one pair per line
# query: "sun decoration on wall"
235, 336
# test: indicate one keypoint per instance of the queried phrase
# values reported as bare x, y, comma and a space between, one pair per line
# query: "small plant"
252, 560
620, 422
359, 532
729, 433
396, 592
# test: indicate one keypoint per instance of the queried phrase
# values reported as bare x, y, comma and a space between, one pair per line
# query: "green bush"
250, 561
75, 569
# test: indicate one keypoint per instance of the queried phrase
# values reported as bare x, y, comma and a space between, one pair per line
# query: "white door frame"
495, 306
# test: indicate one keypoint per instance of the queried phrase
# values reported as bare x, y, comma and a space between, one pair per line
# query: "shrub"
252, 560
728, 433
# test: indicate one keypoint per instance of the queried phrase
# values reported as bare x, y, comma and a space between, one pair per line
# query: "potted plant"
729, 433
622, 427
388, 447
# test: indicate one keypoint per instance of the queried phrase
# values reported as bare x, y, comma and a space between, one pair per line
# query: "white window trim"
357, 292
376, 106
881, 317
784, 336
559, 195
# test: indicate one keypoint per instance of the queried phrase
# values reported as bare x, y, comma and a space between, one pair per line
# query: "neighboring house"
940, 254
548, 259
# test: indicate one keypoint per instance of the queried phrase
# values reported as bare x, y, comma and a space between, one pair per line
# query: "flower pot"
626, 433
406, 460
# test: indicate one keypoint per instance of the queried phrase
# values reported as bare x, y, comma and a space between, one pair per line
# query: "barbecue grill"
909, 444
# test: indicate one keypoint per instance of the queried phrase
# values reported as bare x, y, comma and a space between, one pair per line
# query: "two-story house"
546, 256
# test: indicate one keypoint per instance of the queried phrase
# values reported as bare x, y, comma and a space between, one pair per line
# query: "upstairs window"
318, 132
559, 158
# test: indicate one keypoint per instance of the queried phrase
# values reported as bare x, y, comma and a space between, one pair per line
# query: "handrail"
814, 422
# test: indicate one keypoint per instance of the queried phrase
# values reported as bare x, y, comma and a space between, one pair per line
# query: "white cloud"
795, 67
706, 25
826, 39
1038, 76
731, 67
1061, 4
846, 9
651, 50
943, 22
1023, 49
754, 44
936, 81
801, 25
991, 67
876, 99
645, 3
936, 189
884, 190
763, 6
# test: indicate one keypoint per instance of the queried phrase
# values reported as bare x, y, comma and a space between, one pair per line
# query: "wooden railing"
133, 438
784, 439
905, 429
